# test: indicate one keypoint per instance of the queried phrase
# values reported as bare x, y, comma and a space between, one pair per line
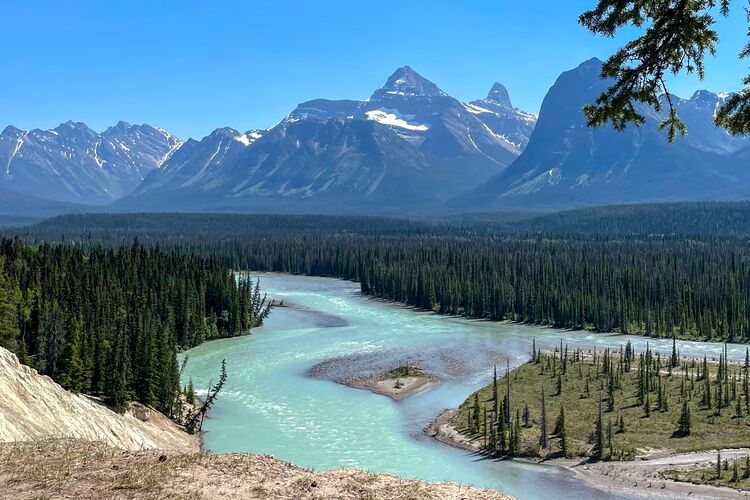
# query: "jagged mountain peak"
224, 132
11, 130
246, 139
73, 125
590, 70
122, 125
406, 81
708, 97
594, 62
499, 95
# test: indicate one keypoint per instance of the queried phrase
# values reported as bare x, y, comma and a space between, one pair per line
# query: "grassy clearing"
650, 417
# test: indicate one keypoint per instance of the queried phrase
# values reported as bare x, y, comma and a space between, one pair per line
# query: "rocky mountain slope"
34, 408
568, 164
408, 147
72, 163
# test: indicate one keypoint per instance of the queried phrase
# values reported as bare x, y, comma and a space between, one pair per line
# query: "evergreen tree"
190, 392
495, 399
543, 432
684, 424
476, 412
526, 416
659, 49
516, 439
611, 393
562, 434
502, 444
598, 450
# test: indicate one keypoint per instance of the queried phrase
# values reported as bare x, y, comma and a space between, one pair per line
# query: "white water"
271, 406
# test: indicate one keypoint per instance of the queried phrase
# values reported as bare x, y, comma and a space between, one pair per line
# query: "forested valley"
677, 270
110, 321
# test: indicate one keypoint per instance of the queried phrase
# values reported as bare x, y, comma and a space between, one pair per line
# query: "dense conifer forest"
110, 321
673, 270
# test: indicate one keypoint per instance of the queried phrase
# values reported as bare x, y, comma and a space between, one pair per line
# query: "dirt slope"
87, 471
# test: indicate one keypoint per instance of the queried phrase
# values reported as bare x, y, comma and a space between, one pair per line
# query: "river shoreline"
406, 306
639, 478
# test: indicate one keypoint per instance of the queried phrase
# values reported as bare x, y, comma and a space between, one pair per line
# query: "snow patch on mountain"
474, 109
393, 118
248, 137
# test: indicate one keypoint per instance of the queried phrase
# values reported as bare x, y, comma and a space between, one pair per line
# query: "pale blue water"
271, 406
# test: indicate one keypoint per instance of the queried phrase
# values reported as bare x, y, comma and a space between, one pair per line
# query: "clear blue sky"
192, 66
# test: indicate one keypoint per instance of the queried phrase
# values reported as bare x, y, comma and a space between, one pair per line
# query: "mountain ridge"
407, 148
72, 163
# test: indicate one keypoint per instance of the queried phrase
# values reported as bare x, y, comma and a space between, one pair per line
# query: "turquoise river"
271, 405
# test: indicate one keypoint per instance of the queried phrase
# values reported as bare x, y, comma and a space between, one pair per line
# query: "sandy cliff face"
34, 408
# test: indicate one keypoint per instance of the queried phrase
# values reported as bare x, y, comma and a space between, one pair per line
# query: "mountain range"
410, 145
410, 148
567, 164
72, 163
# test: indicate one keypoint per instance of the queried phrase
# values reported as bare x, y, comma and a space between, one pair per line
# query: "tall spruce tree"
563, 433
543, 430
598, 450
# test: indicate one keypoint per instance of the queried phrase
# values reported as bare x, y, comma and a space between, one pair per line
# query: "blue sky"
192, 66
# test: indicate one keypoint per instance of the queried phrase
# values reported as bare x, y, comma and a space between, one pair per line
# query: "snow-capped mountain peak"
407, 82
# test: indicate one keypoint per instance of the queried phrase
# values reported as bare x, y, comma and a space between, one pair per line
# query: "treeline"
668, 288
665, 288
694, 220
702, 220
687, 287
109, 322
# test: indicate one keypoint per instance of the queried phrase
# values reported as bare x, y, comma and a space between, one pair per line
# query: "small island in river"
397, 383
